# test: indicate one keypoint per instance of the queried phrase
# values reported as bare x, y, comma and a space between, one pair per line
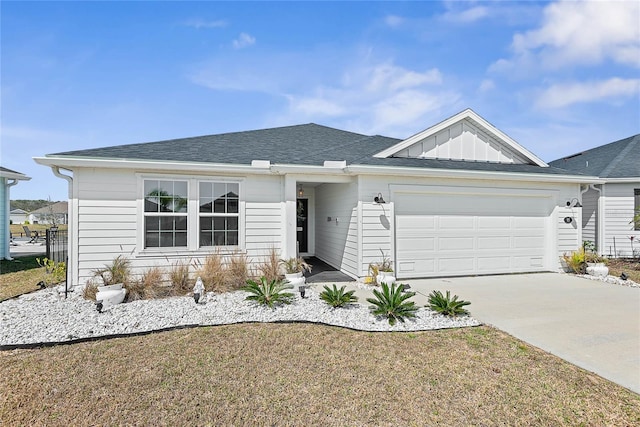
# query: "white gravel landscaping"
46, 316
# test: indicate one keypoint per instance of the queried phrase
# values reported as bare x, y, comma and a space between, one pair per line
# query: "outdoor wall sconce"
300, 191
577, 204
379, 199
568, 219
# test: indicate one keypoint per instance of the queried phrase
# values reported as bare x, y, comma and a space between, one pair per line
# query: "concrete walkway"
589, 323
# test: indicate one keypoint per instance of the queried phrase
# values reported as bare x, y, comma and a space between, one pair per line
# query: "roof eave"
472, 174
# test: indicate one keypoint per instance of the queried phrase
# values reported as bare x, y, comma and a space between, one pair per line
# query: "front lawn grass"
301, 374
19, 276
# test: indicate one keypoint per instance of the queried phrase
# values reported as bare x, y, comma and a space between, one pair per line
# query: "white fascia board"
466, 174
466, 114
71, 162
621, 180
14, 175
308, 169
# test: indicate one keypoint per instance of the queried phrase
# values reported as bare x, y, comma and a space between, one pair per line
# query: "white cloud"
467, 15
393, 21
486, 85
383, 98
201, 23
244, 40
562, 95
579, 33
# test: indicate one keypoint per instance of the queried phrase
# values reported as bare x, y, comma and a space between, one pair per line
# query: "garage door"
440, 234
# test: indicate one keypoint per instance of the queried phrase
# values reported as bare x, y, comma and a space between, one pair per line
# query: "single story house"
57, 213
459, 198
18, 216
8, 178
609, 206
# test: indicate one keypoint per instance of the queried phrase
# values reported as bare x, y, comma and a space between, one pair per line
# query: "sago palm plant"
268, 292
337, 297
392, 303
447, 305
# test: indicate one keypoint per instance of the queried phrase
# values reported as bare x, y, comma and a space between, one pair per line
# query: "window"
165, 213
218, 213
636, 209
190, 213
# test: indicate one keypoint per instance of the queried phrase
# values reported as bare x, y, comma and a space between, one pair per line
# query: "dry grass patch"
292, 374
630, 268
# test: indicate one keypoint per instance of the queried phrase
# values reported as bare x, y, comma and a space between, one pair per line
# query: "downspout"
7, 254
71, 248
599, 220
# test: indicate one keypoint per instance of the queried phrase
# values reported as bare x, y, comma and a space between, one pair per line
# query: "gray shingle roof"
619, 159
308, 144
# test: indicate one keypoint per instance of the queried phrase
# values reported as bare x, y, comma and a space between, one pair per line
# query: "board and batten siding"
618, 200
336, 240
108, 221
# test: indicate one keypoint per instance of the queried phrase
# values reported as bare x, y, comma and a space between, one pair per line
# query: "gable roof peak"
436, 136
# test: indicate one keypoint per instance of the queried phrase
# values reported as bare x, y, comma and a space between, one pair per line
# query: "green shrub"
267, 292
337, 297
392, 303
55, 272
576, 261
447, 305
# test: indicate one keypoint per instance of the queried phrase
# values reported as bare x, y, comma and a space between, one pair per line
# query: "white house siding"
336, 241
108, 221
377, 222
590, 216
618, 212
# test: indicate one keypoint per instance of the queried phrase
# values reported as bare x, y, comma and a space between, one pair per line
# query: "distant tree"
29, 205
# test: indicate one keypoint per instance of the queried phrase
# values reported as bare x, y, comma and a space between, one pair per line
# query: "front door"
302, 206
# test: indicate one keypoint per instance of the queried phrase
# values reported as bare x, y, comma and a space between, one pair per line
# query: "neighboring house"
8, 178
459, 198
609, 206
57, 213
18, 216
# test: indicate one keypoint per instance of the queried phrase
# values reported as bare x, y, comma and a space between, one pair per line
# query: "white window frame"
193, 216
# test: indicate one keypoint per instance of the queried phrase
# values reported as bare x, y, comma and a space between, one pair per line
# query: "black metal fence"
57, 244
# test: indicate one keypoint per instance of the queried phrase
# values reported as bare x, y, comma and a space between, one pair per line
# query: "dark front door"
302, 206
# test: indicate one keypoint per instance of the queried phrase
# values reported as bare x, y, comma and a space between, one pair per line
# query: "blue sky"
558, 77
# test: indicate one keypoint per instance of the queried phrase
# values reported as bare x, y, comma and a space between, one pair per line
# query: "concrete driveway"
589, 323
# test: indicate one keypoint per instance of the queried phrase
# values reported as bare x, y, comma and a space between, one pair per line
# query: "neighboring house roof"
619, 159
55, 208
11, 174
18, 212
308, 144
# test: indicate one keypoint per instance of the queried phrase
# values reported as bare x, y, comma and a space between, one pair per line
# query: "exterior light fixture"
301, 289
576, 205
379, 199
568, 219
300, 191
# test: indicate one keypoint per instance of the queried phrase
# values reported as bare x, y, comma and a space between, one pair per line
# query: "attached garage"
447, 231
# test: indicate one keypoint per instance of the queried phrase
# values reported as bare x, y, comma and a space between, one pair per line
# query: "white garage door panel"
459, 234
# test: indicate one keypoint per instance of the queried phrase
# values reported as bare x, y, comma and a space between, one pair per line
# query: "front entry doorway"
302, 214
